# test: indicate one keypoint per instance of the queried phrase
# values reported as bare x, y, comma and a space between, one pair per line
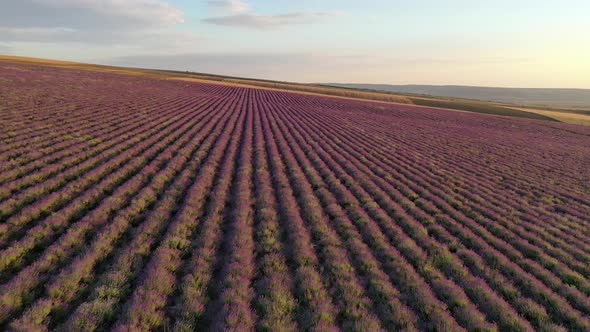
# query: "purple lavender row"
469, 316
56, 200
349, 293
134, 219
318, 313
190, 310
144, 308
24, 283
563, 270
232, 309
275, 302
73, 142
27, 175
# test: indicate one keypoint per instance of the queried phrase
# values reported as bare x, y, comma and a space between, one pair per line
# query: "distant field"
554, 98
478, 107
131, 203
496, 101
169, 74
567, 116
342, 92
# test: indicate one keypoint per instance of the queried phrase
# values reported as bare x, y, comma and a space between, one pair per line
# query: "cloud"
199, 61
300, 67
152, 40
93, 22
146, 11
243, 16
327, 66
263, 22
88, 14
233, 64
233, 6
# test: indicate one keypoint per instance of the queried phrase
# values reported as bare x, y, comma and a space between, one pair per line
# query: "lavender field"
130, 203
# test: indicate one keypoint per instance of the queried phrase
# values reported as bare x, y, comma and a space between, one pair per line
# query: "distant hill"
575, 116
560, 98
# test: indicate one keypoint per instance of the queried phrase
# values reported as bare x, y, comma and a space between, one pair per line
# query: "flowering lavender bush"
133, 203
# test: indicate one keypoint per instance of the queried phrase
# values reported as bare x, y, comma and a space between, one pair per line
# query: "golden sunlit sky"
524, 43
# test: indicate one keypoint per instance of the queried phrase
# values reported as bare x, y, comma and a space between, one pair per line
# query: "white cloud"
89, 14
156, 42
241, 15
142, 23
298, 67
383, 67
233, 6
263, 22
148, 11
258, 65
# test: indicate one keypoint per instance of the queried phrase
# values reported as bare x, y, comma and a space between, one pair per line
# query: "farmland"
137, 203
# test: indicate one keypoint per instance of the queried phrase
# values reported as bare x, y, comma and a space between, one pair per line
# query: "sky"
511, 43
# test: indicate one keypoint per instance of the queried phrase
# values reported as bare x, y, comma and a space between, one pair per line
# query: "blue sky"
522, 43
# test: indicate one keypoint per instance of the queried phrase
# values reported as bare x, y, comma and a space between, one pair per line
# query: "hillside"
135, 203
212, 78
314, 89
555, 98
